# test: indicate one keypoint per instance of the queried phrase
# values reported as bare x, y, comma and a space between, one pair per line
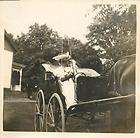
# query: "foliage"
114, 30
43, 43
85, 56
38, 43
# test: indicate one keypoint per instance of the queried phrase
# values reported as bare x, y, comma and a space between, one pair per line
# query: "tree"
85, 55
43, 43
38, 43
114, 30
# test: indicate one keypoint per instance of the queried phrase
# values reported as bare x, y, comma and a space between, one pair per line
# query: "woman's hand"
67, 77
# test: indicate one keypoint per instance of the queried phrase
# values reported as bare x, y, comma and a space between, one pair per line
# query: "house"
8, 60
16, 76
11, 70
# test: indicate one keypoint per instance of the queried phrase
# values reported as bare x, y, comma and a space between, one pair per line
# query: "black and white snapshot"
69, 66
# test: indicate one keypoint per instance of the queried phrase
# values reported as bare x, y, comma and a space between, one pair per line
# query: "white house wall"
1, 57
8, 58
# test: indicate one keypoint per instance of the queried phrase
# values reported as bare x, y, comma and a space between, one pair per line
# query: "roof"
6, 37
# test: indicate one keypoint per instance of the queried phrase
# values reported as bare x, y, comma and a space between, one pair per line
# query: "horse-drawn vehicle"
68, 90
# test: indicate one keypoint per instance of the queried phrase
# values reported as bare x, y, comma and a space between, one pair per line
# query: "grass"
13, 94
7, 93
18, 117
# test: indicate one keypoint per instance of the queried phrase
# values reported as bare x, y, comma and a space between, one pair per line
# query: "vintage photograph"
69, 66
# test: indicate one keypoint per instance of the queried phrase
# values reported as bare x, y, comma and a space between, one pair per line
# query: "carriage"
67, 91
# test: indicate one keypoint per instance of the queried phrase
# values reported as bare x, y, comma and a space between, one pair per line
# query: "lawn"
19, 116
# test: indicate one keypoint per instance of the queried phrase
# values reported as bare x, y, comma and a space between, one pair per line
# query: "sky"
67, 17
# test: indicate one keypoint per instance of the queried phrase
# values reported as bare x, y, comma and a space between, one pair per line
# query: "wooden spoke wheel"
55, 118
39, 111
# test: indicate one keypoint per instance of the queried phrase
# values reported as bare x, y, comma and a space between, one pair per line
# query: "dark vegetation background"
111, 36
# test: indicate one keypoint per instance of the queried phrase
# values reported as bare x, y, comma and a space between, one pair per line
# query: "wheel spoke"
52, 112
51, 117
55, 114
39, 122
59, 120
51, 125
38, 101
39, 109
58, 129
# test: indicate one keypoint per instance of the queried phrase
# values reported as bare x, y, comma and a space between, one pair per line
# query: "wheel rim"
55, 119
39, 111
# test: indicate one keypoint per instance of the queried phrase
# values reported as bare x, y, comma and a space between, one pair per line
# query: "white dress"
67, 87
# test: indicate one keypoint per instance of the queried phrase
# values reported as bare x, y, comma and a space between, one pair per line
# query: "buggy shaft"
112, 99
